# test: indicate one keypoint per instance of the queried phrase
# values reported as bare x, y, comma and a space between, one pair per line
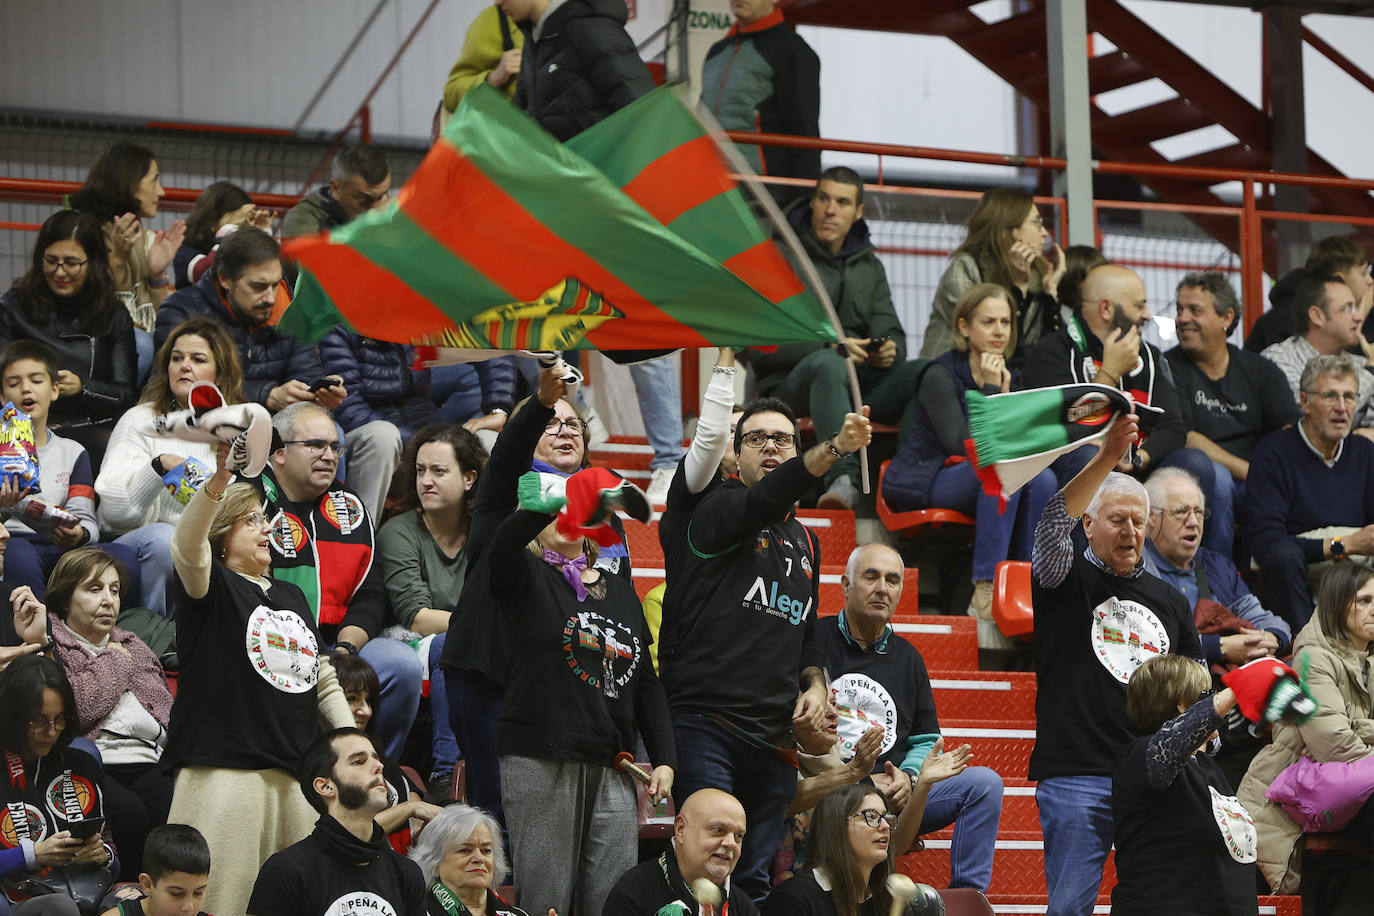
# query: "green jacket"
857, 285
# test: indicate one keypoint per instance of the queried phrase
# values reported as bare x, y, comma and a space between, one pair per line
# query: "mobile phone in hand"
324, 381
84, 830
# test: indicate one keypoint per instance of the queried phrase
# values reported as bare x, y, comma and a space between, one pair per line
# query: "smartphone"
876, 343
84, 830
324, 381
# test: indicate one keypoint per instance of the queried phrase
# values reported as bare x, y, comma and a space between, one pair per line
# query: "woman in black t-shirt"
1184, 844
253, 688
579, 685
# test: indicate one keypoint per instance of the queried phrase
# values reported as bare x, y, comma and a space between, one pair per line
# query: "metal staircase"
1015, 49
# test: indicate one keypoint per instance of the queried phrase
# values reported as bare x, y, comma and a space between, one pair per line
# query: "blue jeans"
972, 802
146, 349
1076, 820
443, 745
399, 670
153, 545
958, 487
709, 758
474, 708
1219, 489
660, 407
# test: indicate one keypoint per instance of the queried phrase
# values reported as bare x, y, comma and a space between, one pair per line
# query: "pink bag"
1322, 797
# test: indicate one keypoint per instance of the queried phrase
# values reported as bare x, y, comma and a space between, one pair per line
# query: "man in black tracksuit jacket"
738, 637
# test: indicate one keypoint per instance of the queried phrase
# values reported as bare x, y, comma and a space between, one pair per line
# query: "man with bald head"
878, 677
707, 834
1102, 344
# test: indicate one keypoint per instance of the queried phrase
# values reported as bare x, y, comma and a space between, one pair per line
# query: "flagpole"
799, 256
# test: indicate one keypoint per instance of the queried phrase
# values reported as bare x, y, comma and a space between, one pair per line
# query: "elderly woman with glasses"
255, 683
50, 794
545, 433
67, 300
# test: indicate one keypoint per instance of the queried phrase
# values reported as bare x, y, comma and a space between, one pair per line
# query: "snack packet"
41, 516
18, 453
185, 479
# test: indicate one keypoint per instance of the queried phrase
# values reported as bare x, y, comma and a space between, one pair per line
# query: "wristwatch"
1338, 548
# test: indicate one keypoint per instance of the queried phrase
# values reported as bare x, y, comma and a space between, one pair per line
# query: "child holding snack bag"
52, 511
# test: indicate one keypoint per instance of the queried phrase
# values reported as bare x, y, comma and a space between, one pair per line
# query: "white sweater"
131, 493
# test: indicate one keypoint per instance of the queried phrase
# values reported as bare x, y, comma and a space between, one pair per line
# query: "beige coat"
1343, 729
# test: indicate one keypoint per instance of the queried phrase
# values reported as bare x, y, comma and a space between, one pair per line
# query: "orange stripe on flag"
499, 238
679, 180
765, 269
345, 273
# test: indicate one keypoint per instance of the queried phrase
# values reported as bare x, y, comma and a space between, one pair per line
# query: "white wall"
258, 62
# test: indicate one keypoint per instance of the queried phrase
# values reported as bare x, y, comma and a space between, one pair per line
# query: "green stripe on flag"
425, 265
660, 125
318, 319
714, 227
1035, 425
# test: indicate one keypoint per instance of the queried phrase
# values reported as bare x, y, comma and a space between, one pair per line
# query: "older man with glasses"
1310, 494
1174, 552
739, 654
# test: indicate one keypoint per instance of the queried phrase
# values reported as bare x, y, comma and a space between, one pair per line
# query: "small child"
176, 862
28, 379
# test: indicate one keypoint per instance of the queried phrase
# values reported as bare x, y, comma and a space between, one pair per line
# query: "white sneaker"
657, 491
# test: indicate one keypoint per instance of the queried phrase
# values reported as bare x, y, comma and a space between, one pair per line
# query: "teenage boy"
176, 862
57, 512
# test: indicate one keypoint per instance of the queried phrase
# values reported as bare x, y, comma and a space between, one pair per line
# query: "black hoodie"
579, 66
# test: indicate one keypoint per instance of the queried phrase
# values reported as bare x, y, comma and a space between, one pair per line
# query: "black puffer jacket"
106, 363
579, 66
269, 358
381, 384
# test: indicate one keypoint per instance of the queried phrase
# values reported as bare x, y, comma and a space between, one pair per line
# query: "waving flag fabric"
1014, 436
631, 236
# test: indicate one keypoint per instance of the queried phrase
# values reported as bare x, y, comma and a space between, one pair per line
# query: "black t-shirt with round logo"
250, 659
579, 680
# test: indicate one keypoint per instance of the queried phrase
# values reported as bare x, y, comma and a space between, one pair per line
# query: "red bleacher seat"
910, 522
1011, 598
836, 532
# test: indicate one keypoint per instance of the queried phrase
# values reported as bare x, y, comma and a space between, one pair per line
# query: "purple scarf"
571, 569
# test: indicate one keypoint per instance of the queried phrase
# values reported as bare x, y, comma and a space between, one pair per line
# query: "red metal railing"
1250, 214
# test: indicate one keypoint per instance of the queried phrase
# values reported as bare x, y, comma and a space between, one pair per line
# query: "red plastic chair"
1011, 598
912, 521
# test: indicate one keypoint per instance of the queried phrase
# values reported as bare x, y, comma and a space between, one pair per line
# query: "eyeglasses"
557, 424
875, 818
254, 519
1037, 221
318, 446
51, 263
1349, 308
758, 439
43, 724
1181, 514
1329, 398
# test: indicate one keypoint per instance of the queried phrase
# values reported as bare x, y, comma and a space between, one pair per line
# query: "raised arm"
702, 463
1177, 739
190, 546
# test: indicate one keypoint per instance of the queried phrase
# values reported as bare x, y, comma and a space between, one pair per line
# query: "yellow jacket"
481, 53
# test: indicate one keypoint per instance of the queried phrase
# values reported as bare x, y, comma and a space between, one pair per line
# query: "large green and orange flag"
632, 235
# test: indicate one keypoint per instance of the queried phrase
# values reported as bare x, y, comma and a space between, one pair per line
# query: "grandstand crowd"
239, 636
